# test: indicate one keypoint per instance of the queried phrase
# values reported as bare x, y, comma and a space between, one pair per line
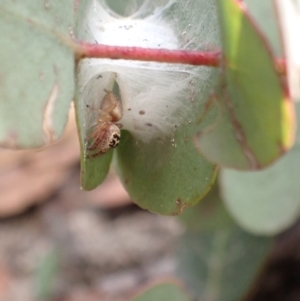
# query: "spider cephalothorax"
106, 133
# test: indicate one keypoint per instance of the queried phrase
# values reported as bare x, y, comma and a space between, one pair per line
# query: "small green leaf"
255, 121
164, 176
93, 169
36, 71
219, 262
164, 291
265, 202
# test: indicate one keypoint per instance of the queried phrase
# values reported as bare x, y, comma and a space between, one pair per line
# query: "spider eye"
114, 140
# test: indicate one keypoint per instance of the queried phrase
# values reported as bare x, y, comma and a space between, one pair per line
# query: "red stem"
200, 58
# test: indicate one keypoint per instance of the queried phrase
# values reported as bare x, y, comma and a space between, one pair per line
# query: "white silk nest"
156, 97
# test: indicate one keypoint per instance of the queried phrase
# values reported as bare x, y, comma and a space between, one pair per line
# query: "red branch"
199, 58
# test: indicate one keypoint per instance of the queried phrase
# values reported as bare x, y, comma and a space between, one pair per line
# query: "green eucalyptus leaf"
156, 159
219, 261
221, 265
93, 169
255, 120
164, 291
36, 71
164, 176
265, 202
208, 215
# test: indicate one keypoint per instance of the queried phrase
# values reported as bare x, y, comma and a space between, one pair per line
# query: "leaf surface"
36, 71
255, 123
265, 202
217, 259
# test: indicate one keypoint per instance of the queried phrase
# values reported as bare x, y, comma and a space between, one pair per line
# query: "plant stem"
199, 58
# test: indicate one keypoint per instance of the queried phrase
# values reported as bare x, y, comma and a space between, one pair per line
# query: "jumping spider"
106, 133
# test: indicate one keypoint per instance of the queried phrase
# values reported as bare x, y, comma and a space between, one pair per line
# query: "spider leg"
104, 115
97, 136
94, 155
109, 102
112, 105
